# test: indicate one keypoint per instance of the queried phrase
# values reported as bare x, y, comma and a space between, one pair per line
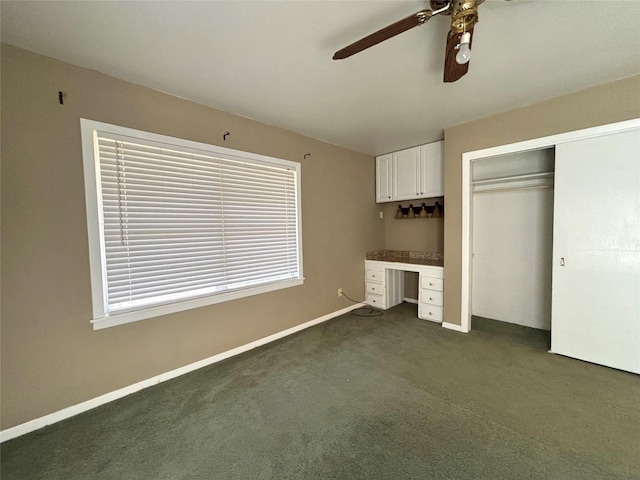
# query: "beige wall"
609, 103
51, 358
419, 234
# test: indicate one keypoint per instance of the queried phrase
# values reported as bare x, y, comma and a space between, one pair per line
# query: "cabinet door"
383, 178
406, 168
431, 170
595, 311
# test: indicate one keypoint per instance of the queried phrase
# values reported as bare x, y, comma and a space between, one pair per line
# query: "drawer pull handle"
430, 284
430, 298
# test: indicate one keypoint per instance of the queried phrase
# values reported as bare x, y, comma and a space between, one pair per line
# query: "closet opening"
595, 272
512, 242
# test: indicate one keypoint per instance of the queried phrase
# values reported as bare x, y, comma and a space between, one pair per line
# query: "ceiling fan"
464, 15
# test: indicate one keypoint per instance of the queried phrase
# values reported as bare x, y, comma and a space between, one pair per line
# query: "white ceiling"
271, 60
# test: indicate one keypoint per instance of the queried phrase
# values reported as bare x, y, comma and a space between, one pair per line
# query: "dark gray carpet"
391, 397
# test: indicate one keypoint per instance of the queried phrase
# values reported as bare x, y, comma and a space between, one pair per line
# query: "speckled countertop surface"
404, 256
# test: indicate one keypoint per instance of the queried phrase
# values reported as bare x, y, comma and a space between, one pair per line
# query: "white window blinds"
180, 222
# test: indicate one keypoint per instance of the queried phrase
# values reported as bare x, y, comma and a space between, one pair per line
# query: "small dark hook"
61, 97
224, 137
306, 155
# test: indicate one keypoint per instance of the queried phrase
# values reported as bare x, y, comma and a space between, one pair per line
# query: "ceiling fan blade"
453, 71
384, 34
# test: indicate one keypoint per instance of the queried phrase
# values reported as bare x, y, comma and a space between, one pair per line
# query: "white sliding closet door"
596, 294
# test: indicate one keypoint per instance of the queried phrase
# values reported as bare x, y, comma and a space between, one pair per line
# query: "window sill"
151, 312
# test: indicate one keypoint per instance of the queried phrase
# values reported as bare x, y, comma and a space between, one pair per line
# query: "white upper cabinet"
431, 170
410, 174
383, 178
406, 170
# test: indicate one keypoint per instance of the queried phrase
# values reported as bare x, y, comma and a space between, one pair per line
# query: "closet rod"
514, 178
512, 189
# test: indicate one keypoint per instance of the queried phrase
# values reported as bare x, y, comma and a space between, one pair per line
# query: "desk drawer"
430, 312
431, 283
431, 297
375, 288
375, 275
376, 301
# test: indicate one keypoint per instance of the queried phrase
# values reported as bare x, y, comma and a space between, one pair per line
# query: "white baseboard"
452, 326
410, 300
68, 412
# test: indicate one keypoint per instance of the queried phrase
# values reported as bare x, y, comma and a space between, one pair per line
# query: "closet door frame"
467, 197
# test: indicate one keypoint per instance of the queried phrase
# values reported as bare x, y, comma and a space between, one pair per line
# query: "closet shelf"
514, 178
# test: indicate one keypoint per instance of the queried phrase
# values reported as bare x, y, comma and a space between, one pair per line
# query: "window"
175, 224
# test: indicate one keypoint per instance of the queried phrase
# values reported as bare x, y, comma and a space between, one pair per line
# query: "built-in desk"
385, 286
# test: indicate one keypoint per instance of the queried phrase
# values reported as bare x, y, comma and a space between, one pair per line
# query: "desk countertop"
403, 256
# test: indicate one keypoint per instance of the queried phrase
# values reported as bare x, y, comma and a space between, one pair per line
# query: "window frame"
101, 317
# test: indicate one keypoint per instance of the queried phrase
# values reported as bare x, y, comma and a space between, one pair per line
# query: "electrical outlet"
339, 292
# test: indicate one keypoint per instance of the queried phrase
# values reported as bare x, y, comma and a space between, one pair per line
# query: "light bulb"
464, 52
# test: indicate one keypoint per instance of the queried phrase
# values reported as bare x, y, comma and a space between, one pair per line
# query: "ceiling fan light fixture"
464, 51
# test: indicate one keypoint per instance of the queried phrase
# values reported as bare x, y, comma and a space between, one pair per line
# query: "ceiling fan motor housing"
464, 15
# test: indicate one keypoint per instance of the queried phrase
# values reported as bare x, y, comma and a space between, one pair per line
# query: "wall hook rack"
306, 155
421, 211
224, 137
